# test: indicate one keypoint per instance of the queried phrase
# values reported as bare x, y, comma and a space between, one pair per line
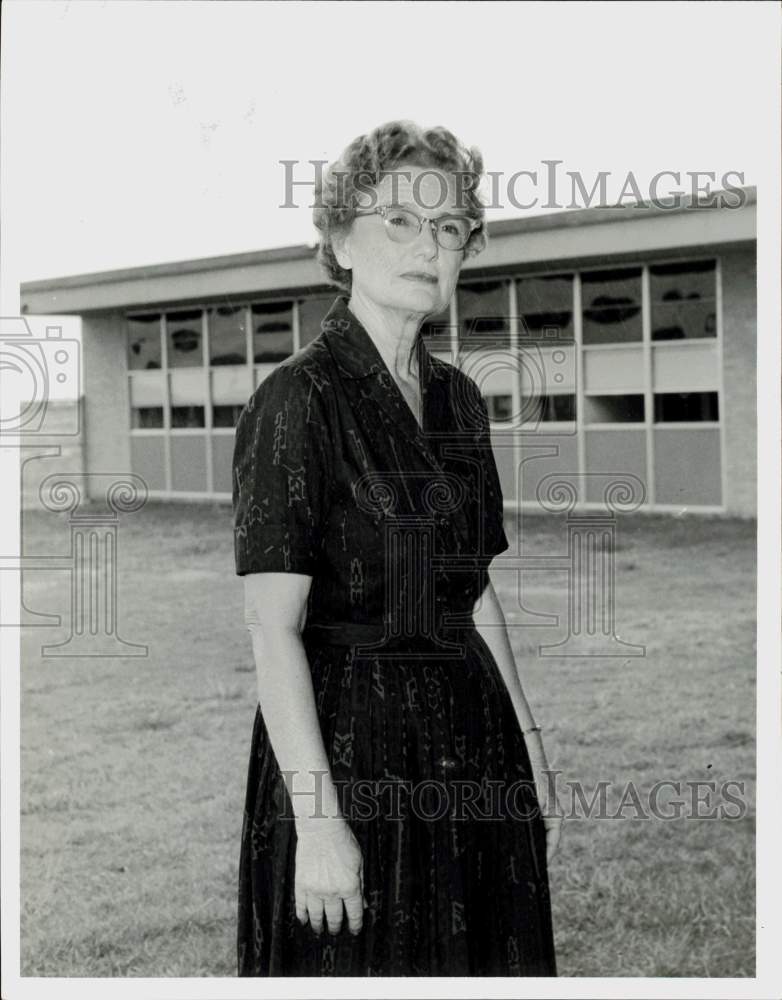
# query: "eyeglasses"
452, 232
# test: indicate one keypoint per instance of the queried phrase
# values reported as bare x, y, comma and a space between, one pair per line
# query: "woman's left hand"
548, 801
553, 826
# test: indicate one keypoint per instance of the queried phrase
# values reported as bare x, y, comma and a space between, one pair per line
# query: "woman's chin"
420, 297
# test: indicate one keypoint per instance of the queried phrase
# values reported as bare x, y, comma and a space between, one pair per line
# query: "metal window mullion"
721, 384
513, 315
295, 323
166, 405
648, 359
130, 375
579, 346
206, 361
248, 337
513, 318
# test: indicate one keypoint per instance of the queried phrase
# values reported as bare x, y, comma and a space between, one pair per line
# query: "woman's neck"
394, 333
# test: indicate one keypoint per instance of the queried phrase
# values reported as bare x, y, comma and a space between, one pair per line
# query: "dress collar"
358, 359
354, 350
369, 381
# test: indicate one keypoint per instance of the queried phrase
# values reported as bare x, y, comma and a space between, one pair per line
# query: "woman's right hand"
329, 873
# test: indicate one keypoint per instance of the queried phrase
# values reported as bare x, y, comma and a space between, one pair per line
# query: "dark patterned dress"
334, 478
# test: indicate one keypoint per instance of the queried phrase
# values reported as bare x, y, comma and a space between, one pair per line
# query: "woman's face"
412, 278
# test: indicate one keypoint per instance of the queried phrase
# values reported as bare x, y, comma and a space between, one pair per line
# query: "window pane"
311, 313
546, 306
187, 416
672, 407
227, 335
146, 416
184, 339
483, 314
681, 320
500, 407
613, 409
225, 416
144, 345
684, 300
611, 303
559, 406
684, 280
272, 331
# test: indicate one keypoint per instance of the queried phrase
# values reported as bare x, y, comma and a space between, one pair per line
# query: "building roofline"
569, 218
247, 258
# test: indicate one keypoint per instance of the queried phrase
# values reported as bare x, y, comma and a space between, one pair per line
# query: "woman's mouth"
430, 279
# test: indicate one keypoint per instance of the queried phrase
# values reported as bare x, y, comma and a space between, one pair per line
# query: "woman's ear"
340, 244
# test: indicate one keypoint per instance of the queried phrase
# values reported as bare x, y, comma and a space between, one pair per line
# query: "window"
483, 314
683, 299
545, 307
272, 331
611, 304
146, 416
184, 339
548, 408
187, 416
144, 344
227, 335
614, 409
500, 408
673, 407
226, 416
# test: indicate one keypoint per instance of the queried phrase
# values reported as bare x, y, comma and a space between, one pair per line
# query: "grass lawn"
134, 769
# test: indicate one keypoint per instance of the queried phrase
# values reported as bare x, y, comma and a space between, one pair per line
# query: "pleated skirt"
436, 784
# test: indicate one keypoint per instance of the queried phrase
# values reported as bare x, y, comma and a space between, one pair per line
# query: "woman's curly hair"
363, 164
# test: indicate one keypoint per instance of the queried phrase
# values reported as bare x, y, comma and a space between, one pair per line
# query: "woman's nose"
427, 241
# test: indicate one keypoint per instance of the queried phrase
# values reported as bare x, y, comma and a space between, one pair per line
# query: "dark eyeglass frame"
434, 223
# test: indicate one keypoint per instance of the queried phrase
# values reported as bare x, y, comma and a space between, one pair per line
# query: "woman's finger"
355, 911
315, 911
333, 907
301, 903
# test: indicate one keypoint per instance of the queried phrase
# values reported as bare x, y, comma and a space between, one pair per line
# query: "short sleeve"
491, 513
280, 476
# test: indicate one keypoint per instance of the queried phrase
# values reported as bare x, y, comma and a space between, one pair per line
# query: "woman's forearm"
287, 701
490, 622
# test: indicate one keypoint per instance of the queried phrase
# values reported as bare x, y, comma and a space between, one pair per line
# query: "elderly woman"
393, 822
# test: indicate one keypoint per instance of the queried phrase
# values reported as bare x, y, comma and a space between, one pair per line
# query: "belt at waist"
381, 634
